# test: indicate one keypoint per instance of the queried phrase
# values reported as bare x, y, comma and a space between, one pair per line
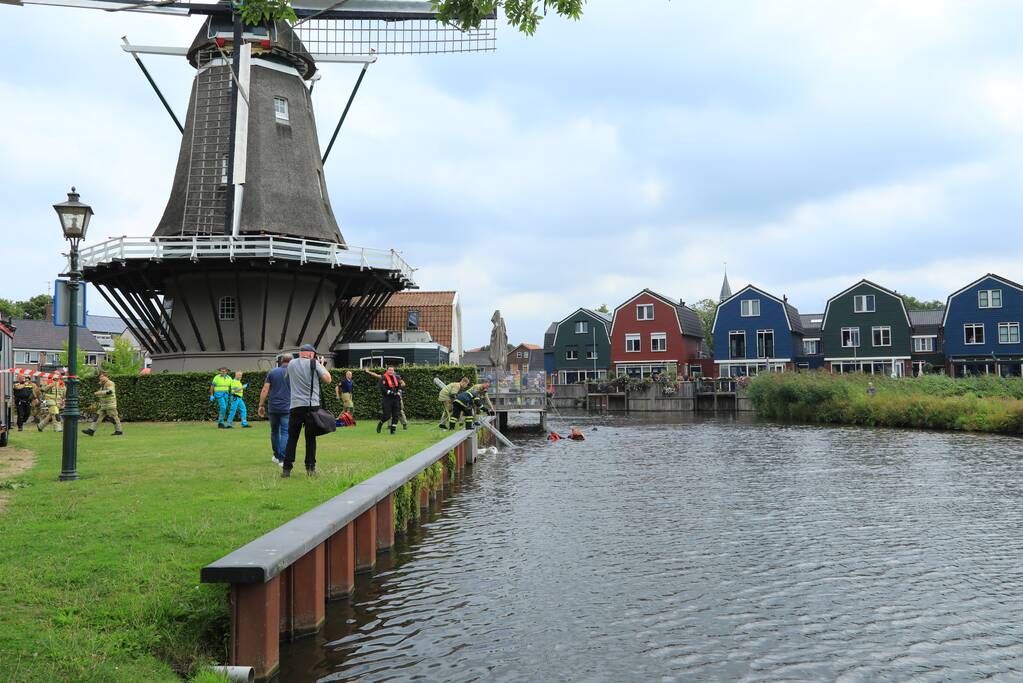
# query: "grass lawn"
99, 578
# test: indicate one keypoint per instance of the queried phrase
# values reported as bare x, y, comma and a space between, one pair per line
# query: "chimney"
49, 312
785, 298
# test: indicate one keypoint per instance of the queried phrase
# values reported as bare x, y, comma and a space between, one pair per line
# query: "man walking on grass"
106, 399
278, 390
305, 397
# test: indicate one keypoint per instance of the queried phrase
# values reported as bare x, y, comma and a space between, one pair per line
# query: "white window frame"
591, 355
749, 308
582, 327
638, 339
974, 327
21, 358
860, 303
281, 114
1008, 327
571, 354
745, 348
989, 295
227, 303
658, 336
855, 330
641, 308
880, 329
763, 334
920, 347
816, 342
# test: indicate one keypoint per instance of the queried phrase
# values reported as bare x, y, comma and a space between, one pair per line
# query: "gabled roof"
106, 324
43, 335
883, 290
480, 358
999, 278
792, 317
600, 318
417, 298
688, 321
535, 359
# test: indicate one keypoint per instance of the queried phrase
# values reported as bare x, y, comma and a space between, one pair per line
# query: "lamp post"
74, 221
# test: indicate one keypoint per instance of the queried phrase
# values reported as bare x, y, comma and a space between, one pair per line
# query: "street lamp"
74, 221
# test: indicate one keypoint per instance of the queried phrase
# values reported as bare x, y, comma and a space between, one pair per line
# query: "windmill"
247, 259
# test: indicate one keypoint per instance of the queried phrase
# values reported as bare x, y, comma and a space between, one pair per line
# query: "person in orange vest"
390, 399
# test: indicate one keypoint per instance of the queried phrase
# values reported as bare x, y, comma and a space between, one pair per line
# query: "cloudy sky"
808, 144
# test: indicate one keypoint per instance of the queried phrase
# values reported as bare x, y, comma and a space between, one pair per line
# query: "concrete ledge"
270, 554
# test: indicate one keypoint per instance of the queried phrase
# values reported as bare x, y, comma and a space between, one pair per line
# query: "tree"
262, 11
525, 15
914, 304
707, 309
602, 309
83, 370
11, 309
123, 360
35, 308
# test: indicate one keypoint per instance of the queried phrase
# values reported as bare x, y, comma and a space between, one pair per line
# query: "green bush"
986, 404
169, 397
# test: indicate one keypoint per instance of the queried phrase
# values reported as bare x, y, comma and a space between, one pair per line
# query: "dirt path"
13, 461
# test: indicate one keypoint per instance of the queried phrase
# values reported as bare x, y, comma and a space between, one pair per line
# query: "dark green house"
866, 328
581, 347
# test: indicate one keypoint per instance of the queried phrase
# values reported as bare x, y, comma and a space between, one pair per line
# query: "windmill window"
281, 110
228, 308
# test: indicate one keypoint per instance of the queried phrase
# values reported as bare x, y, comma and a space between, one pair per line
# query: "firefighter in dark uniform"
390, 399
464, 407
23, 396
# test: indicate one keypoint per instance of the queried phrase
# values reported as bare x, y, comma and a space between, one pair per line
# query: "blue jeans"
279, 432
221, 398
238, 404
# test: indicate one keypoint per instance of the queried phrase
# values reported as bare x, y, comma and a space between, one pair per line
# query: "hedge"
169, 397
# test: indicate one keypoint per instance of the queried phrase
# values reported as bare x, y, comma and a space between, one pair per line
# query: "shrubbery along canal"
703, 549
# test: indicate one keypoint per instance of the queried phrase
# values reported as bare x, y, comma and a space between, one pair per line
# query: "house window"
811, 347
765, 343
645, 312
1008, 333
737, 344
281, 110
571, 355
659, 341
923, 344
749, 308
632, 343
591, 355
863, 303
850, 337
582, 327
412, 320
21, 358
882, 336
989, 298
91, 359
228, 308
973, 333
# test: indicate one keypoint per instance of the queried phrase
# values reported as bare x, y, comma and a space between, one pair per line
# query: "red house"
652, 333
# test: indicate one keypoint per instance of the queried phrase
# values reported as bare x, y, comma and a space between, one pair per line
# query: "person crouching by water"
390, 399
238, 402
345, 390
106, 399
277, 389
305, 397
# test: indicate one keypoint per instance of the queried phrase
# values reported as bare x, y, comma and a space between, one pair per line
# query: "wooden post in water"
340, 574
366, 541
255, 626
308, 592
385, 523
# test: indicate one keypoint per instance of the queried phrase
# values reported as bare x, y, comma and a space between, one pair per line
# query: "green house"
867, 329
581, 347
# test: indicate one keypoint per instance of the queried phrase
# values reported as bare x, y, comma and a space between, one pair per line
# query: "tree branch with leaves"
525, 15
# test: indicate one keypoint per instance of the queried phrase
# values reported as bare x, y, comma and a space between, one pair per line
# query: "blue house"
981, 328
756, 332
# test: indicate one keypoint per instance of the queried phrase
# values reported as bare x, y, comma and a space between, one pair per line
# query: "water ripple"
701, 550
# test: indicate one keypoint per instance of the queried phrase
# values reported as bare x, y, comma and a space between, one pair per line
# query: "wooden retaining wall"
281, 582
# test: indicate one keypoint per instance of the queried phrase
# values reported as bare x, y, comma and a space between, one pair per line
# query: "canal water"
706, 549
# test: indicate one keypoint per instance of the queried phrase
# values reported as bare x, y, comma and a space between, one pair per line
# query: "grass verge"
986, 404
99, 578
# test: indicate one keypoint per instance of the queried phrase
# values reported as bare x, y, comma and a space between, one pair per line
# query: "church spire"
726, 289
